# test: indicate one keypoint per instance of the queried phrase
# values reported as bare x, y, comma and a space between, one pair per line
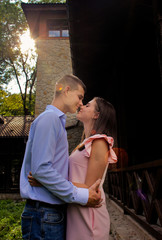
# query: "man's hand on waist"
94, 199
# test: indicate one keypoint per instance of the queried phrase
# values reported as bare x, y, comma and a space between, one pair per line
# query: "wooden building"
13, 137
116, 48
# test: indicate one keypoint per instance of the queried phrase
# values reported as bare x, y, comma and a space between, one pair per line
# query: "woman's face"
88, 112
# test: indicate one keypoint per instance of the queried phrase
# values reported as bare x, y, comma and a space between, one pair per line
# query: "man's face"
74, 99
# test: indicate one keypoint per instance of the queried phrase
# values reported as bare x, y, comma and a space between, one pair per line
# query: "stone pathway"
123, 227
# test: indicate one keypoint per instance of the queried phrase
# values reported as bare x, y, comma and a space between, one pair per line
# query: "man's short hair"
68, 80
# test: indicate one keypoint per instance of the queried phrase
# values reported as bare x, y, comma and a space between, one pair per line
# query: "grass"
10, 219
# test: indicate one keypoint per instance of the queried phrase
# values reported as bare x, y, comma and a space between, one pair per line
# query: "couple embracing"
64, 195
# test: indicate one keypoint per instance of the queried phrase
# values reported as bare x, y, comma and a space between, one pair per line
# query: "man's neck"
59, 104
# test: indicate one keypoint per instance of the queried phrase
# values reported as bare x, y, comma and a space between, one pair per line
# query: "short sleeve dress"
83, 222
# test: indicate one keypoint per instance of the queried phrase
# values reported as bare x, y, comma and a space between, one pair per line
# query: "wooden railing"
138, 190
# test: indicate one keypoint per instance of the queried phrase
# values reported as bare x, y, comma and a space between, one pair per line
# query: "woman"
89, 162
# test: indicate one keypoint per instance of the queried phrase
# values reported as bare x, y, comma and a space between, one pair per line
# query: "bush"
10, 219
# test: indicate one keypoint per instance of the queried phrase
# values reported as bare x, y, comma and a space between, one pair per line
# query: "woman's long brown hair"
106, 122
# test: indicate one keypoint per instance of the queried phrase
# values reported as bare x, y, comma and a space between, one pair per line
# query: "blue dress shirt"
46, 156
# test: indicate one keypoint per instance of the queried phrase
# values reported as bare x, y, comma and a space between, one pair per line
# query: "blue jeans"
41, 223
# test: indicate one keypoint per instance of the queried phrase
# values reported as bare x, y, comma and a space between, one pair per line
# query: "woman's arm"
80, 185
97, 161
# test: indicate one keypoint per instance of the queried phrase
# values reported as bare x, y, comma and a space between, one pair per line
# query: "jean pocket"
54, 218
26, 225
54, 226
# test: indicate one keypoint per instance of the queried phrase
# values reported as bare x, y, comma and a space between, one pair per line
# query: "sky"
13, 87
27, 43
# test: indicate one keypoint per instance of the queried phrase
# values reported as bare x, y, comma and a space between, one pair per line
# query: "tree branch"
16, 76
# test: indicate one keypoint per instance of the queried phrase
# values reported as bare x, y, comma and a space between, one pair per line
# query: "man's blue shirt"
46, 156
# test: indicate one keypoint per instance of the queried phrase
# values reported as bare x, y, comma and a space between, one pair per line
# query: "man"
46, 156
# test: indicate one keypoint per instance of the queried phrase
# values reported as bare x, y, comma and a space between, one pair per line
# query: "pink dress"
83, 222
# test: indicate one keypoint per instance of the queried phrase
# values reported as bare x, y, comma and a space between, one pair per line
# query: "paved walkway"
123, 227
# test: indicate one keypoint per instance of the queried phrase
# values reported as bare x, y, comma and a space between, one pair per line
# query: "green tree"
12, 104
13, 63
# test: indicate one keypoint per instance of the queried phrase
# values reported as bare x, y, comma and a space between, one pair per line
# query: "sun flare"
27, 43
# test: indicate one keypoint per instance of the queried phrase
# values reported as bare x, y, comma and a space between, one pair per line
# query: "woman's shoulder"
100, 138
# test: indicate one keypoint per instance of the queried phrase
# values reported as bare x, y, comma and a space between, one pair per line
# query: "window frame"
58, 25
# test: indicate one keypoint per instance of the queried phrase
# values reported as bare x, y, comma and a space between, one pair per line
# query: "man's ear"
67, 89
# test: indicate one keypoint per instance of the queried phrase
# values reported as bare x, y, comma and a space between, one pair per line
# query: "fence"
137, 190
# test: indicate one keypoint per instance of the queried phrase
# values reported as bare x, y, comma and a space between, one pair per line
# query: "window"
54, 33
58, 33
58, 28
65, 33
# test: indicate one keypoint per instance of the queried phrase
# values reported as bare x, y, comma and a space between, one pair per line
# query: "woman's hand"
33, 182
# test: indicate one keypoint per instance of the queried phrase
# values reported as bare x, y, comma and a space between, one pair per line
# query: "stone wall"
74, 136
54, 61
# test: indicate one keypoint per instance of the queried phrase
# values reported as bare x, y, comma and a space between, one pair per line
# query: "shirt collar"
58, 112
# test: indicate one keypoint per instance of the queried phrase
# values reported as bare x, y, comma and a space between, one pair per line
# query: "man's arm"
94, 199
